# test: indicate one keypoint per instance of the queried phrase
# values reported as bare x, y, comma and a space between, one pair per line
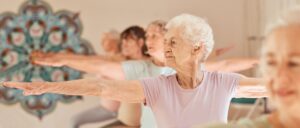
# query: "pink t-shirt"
175, 107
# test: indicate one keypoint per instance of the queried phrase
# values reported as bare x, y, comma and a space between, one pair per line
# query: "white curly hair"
194, 29
288, 17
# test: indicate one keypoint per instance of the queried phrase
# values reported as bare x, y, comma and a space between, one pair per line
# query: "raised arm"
251, 88
231, 65
124, 90
220, 51
94, 64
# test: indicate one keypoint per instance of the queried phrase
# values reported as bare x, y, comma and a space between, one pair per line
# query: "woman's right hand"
48, 59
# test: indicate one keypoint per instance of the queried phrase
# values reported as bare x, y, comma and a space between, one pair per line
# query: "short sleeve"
152, 88
168, 71
134, 70
230, 82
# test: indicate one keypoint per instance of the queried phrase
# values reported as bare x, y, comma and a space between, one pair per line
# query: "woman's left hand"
35, 88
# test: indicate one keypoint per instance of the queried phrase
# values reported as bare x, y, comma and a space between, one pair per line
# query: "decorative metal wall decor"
37, 28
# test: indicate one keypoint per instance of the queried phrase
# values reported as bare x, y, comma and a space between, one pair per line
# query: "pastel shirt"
130, 113
175, 107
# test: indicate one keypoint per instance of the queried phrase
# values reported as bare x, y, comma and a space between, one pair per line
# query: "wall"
260, 15
226, 17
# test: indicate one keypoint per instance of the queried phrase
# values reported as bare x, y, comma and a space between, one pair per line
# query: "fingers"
26, 87
45, 62
41, 55
18, 85
45, 59
37, 56
28, 93
28, 90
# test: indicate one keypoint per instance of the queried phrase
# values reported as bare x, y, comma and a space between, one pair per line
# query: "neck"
189, 76
137, 56
285, 120
157, 62
111, 53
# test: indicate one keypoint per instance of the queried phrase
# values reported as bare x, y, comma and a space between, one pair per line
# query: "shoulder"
161, 78
222, 75
135, 62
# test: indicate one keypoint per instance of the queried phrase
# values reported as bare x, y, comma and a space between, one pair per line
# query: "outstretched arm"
251, 88
89, 64
220, 51
231, 65
124, 90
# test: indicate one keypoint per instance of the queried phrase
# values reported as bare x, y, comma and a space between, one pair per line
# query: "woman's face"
130, 47
178, 51
155, 41
281, 67
109, 44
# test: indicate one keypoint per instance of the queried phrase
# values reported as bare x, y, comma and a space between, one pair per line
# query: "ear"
199, 51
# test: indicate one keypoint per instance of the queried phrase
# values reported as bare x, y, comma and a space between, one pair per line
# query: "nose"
282, 76
148, 42
167, 45
124, 44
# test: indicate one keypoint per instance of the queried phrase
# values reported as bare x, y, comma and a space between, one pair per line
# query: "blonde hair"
160, 24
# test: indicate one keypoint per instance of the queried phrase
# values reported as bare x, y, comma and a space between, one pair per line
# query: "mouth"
284, 93
169, 57
150, 49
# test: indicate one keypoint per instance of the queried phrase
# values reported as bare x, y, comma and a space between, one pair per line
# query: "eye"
166, 41
293, 64
271, 63
154, 36
173, 42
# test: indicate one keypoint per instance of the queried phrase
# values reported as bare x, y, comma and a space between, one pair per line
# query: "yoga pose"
192, 94
115, 50
130, 114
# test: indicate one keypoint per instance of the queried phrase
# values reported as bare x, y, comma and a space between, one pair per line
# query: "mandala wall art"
37, 28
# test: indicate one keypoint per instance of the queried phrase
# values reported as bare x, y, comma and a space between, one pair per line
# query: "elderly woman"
130, 114
188, 97
281, 70
111, 42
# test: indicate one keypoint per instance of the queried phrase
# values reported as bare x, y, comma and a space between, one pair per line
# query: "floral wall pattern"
37, 28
